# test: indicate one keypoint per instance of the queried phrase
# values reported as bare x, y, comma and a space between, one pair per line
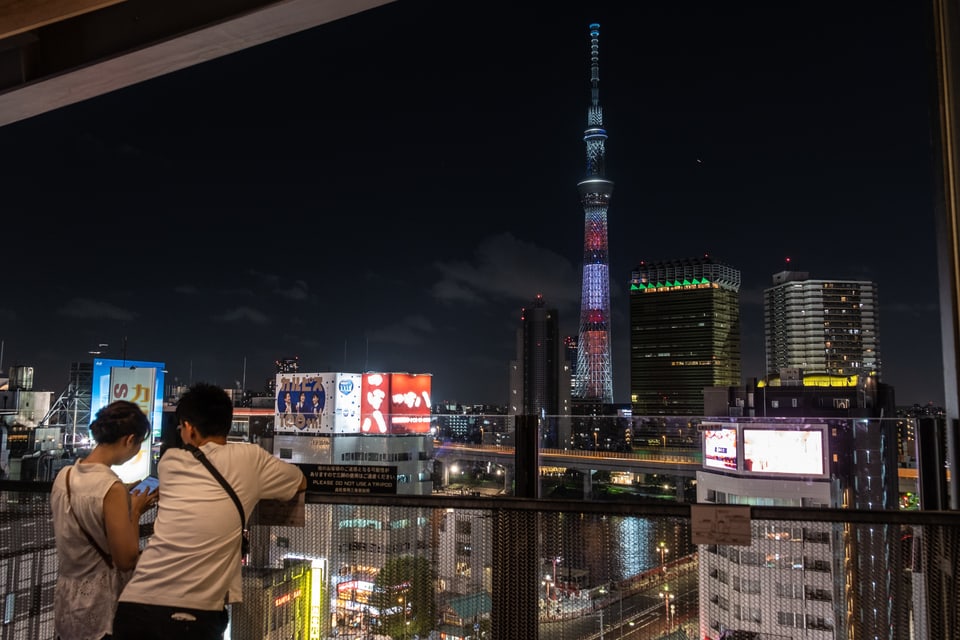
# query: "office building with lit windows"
684, 334
821, 326
803, 580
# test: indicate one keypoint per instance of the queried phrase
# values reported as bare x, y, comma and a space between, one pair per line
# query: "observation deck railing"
513, 568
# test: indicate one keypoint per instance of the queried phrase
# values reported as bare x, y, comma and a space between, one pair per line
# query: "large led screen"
783, 452
720, 449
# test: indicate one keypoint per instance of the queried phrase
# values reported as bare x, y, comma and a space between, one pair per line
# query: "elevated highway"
683, 463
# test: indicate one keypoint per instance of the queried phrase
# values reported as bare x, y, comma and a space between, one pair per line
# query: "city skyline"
386, 192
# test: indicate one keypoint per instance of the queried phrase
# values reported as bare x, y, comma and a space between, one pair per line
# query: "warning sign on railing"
337, 478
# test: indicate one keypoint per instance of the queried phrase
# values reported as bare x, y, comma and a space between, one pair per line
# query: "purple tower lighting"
594, 370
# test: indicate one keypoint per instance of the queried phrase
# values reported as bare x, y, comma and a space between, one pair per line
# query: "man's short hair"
208, 408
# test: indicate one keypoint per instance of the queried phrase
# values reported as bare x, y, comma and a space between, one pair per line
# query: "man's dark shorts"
135, 621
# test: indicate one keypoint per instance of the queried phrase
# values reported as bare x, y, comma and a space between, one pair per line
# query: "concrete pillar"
516, 575
527, 457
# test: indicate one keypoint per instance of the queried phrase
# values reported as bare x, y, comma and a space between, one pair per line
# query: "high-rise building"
594, 376
821, 326
541, 374
684, 334
801, 579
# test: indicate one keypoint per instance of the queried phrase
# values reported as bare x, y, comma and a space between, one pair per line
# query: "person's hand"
142, 500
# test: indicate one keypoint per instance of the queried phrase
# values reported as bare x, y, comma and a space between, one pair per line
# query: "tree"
403, 592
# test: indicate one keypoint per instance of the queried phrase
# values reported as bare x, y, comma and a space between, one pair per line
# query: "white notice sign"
719, 524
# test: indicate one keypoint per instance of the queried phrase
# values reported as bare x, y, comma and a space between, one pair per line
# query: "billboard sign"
374, 403
720, 448
395, 403
102, 392
352, 403
346, 407
317, 403
410, 403
136, 381
778, 451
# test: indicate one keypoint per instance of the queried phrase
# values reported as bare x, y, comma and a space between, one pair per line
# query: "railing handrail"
633, 508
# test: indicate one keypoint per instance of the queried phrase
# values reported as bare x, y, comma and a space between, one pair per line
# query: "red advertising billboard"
410, 402
374, 402
395, 403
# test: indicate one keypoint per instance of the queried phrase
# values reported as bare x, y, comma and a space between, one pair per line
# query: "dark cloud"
410, 330
87, 309
506, 268
298, 290
243, 314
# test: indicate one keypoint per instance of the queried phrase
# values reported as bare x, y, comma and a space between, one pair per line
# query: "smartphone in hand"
147, 485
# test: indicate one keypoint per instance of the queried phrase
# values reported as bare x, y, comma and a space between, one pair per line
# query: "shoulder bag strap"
103, 554
226, 485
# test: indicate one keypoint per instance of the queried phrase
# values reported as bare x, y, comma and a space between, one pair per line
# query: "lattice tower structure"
594, 378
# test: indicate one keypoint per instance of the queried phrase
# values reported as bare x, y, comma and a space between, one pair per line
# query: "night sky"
386, 192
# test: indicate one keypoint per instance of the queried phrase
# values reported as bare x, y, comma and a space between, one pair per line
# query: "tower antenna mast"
594, 377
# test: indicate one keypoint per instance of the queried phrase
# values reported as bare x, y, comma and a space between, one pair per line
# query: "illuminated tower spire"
594, 369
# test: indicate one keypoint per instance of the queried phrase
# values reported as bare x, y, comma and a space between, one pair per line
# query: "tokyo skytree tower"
594, 379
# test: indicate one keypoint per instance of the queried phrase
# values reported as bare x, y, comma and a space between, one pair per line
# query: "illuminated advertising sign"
351, 403
395, 403
317, 403
720, 449
136, 381
355, 591
301, 402
410, 403
318, 597
101, 391
784, 452
346, 407
374, 403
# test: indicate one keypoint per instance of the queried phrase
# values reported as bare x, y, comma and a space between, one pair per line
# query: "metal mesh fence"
506, 568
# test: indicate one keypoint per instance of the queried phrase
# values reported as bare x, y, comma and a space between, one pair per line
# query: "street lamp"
556, 559
662, 548
667, 598
404, 608
620, 593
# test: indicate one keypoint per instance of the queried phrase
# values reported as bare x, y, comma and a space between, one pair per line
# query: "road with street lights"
642, 615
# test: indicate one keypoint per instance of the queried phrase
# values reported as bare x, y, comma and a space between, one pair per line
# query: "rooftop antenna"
595, 63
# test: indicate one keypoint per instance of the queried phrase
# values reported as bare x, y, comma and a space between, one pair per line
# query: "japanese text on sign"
333, 478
